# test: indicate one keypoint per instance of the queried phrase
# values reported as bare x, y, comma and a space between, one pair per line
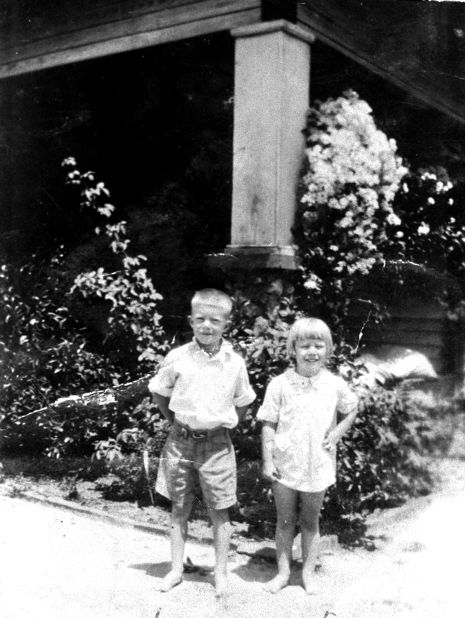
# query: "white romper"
305, 409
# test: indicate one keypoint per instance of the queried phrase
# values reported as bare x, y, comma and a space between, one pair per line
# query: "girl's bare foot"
309, 581
171, 579
277, 583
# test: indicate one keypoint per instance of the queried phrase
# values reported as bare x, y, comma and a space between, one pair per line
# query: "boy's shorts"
187, 462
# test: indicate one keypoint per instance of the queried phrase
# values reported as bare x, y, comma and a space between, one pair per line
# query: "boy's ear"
189, 319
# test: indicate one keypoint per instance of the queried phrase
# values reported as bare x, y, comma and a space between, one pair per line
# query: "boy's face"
208, 323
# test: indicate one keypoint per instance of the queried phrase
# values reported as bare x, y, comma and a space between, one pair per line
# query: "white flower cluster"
353, 173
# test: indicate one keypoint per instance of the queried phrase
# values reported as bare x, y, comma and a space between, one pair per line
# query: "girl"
299, 438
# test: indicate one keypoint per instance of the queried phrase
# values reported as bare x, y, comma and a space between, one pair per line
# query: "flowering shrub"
432, 223
133, 318
352, 173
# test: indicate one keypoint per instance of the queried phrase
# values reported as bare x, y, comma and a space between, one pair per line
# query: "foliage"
44, 354
133, 318
351, 175
146, 430
47, 353
431, 232
124, 455
258, 330
381, 461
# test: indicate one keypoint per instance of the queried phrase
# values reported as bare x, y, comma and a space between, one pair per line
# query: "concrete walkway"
58, 564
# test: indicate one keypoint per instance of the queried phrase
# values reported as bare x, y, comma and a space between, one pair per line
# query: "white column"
271, 99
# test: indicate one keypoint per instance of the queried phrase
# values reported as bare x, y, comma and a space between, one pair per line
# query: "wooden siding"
45, 37
427, 332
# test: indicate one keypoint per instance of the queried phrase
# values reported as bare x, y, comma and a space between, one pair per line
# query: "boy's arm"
269, 470
162, 404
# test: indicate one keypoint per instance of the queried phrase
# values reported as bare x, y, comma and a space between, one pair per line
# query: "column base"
250, 258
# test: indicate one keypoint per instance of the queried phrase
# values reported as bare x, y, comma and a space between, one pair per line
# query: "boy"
203, 390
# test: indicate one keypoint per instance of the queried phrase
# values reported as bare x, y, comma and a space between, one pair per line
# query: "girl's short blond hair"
309, 328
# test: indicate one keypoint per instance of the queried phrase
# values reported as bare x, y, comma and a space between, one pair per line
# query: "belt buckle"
199, 435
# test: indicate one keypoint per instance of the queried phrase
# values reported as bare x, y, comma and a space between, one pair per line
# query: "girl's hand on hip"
270, 472
330, 442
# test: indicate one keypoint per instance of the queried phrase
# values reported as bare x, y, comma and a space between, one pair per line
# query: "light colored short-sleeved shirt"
305, 409
203, 389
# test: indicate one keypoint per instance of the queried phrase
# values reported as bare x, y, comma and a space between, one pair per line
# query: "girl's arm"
241, 412
269, 470
333, 437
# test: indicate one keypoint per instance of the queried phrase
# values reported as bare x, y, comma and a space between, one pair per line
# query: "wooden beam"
160, 23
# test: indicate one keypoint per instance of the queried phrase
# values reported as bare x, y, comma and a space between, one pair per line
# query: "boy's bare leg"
310, 530
286, 509
179, 516
221, 540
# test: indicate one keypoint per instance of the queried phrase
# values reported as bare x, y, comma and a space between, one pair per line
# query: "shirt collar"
299, 381
223, 353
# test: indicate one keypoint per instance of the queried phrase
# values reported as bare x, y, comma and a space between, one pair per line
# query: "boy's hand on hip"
270, 472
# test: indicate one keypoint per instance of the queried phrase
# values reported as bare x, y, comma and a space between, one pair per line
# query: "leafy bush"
46, 353
381, 461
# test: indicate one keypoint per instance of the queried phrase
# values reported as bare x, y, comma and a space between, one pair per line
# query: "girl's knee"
310, 524
286, 523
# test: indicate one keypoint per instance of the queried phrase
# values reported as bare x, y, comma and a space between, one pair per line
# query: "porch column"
271, 99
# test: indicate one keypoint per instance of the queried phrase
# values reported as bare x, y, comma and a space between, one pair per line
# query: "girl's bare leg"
286, 512
311, 504
221, 540
179, 517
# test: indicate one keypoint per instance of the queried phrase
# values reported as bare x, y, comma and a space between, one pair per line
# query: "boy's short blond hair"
309, 328
211, 296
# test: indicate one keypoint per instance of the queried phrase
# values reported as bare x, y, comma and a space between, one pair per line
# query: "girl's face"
310, 355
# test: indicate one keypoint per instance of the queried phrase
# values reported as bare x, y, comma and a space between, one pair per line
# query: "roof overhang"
419, 46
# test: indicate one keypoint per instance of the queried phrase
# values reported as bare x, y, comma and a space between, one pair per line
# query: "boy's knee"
219, 516
180, 512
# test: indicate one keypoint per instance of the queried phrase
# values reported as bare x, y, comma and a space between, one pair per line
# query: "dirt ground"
19, 478
60, 564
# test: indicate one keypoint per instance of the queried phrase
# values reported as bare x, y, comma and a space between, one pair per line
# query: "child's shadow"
255, 572
261, 568
192, 572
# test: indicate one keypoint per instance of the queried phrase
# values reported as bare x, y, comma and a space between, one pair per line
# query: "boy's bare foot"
170, 580
277, 583
221, 584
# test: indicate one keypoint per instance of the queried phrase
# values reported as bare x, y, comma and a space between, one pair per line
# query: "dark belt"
197, 434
